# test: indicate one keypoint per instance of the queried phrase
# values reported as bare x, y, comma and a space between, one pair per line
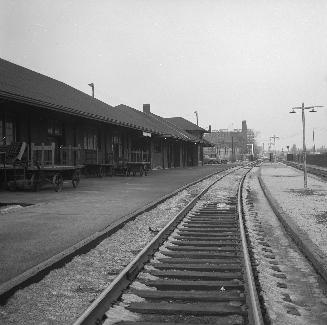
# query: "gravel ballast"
306, 207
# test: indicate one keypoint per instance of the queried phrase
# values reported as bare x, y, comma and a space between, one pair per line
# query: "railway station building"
64, 126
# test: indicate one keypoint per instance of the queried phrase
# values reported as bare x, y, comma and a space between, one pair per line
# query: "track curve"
200, 273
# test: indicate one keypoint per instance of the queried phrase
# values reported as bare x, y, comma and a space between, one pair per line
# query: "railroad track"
196, 270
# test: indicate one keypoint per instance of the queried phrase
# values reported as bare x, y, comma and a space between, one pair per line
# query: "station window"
117, 147
55, 128
7, 131
116, 139
90, 139
157, 147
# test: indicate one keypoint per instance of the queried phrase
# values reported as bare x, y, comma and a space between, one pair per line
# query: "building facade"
39, 110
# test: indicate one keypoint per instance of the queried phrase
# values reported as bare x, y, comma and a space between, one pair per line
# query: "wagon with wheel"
97, 163
138, 167
55, 176
41, 170
138, 163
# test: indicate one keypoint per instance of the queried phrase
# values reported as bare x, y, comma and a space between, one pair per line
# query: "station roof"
184, 124
26, 86
173, 129
156, 123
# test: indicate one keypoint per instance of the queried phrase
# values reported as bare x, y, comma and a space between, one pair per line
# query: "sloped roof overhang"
70, 111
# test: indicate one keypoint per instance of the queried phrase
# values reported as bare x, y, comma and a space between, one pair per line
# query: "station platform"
302, 211
50, 222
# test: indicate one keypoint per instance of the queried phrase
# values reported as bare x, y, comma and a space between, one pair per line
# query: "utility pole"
269, 150
274, 137
312, 110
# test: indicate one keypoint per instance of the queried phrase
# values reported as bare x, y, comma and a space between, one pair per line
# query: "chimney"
146, 108
209, 129
244, 126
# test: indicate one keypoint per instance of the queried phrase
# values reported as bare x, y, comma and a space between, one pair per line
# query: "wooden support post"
42, 154
32, 154
53, 145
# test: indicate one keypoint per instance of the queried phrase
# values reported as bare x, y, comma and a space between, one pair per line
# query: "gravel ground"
308, 208
220, 192
64, 293
292, 291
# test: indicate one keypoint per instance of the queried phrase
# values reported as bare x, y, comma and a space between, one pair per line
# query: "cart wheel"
57, 182
99, 171
145, 172
141, 171
76, 178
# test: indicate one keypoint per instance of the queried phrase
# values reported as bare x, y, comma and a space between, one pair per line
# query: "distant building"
231, 144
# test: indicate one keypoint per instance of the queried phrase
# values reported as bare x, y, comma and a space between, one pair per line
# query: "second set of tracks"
196, 270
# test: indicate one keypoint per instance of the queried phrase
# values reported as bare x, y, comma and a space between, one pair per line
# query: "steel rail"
95, 312
255, 315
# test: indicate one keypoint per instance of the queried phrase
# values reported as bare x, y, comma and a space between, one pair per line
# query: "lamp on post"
92, 86
197, 117
312, 110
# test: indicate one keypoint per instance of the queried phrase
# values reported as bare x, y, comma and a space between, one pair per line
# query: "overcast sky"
229, 60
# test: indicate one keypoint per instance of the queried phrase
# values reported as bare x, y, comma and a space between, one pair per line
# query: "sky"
228, 60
